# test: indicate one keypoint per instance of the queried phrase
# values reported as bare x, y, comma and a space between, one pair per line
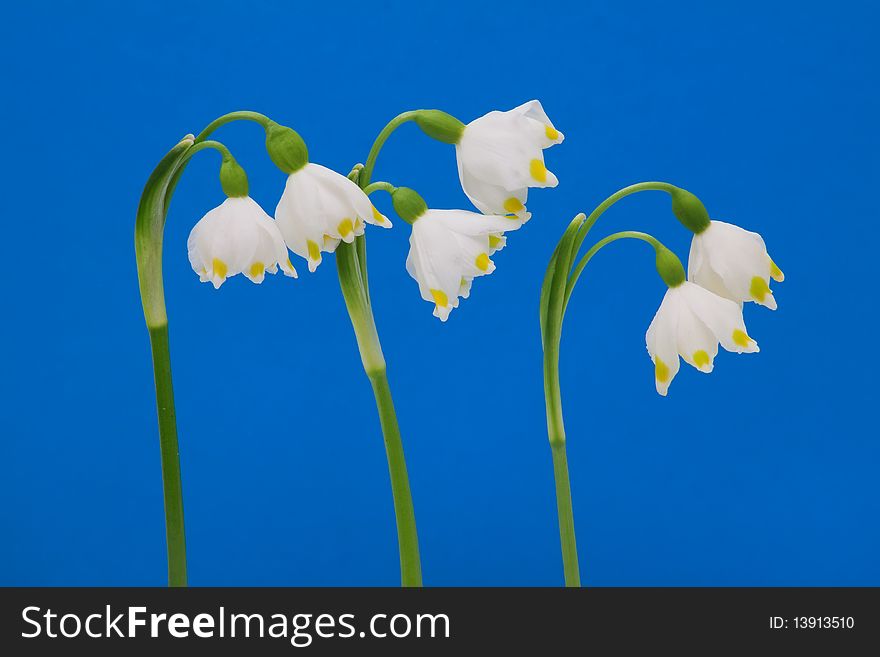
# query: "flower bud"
233, 179
286, 148
408, 204
690, 210
440, 125
669, 266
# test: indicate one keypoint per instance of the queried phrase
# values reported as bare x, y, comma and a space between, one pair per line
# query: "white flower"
449, 248
733, 263
500, 156
237, 237
691, 322
320, 207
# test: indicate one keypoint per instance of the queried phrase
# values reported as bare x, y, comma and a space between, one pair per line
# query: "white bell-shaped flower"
733, 263
500, 155
237, 237
449, 248
690, 323
319, 208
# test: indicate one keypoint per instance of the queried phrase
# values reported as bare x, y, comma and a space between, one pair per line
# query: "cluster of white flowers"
499, 157
318, 209
727, 266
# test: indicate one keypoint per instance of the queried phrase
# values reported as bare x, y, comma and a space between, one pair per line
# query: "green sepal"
286, 148
408, 204
690, 210
669, 266
233, 179
440, 125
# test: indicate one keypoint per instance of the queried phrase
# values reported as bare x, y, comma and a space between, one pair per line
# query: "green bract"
408, 204
439, 125
233, 179
689, 210
669, 266
286, 148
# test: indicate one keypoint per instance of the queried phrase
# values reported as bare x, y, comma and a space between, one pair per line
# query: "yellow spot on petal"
661, 370
257, 269
551, 132
358, 223
538, 170
775, 272
482, 262
345, 226
290, 264
741, 338
440, 298
219, 267
759, 289
494, 241
701, 359
314, 250
377, 216
514, 205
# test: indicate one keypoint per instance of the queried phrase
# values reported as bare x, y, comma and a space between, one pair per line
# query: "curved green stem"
614, 198
379, 186
559, 282
393, 125
241, 115
149, 227
593, 250
149, 232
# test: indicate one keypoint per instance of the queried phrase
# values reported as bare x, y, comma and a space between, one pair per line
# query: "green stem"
352, 280
171, 485
149, 227
407, 536
149, 230
379, 186
393, 125
566, 515
555, 294
242, 115
614, 198
593, 250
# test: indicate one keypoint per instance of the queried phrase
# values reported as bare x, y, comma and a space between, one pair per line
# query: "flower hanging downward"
320, 207
449, 248
237, 237
733, 263
500, 156
690, 322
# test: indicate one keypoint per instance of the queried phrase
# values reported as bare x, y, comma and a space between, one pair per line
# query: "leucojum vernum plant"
320, 211
500, 156
727, 266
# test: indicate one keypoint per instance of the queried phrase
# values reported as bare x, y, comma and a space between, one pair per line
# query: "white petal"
733, 263
492, 199
722, 316
661, 340
236, 237
448, 249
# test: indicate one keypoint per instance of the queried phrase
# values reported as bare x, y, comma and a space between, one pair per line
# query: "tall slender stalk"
559, 281
351, 265
149, 227
171, 485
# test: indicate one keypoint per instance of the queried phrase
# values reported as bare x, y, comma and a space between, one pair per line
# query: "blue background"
764, 473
